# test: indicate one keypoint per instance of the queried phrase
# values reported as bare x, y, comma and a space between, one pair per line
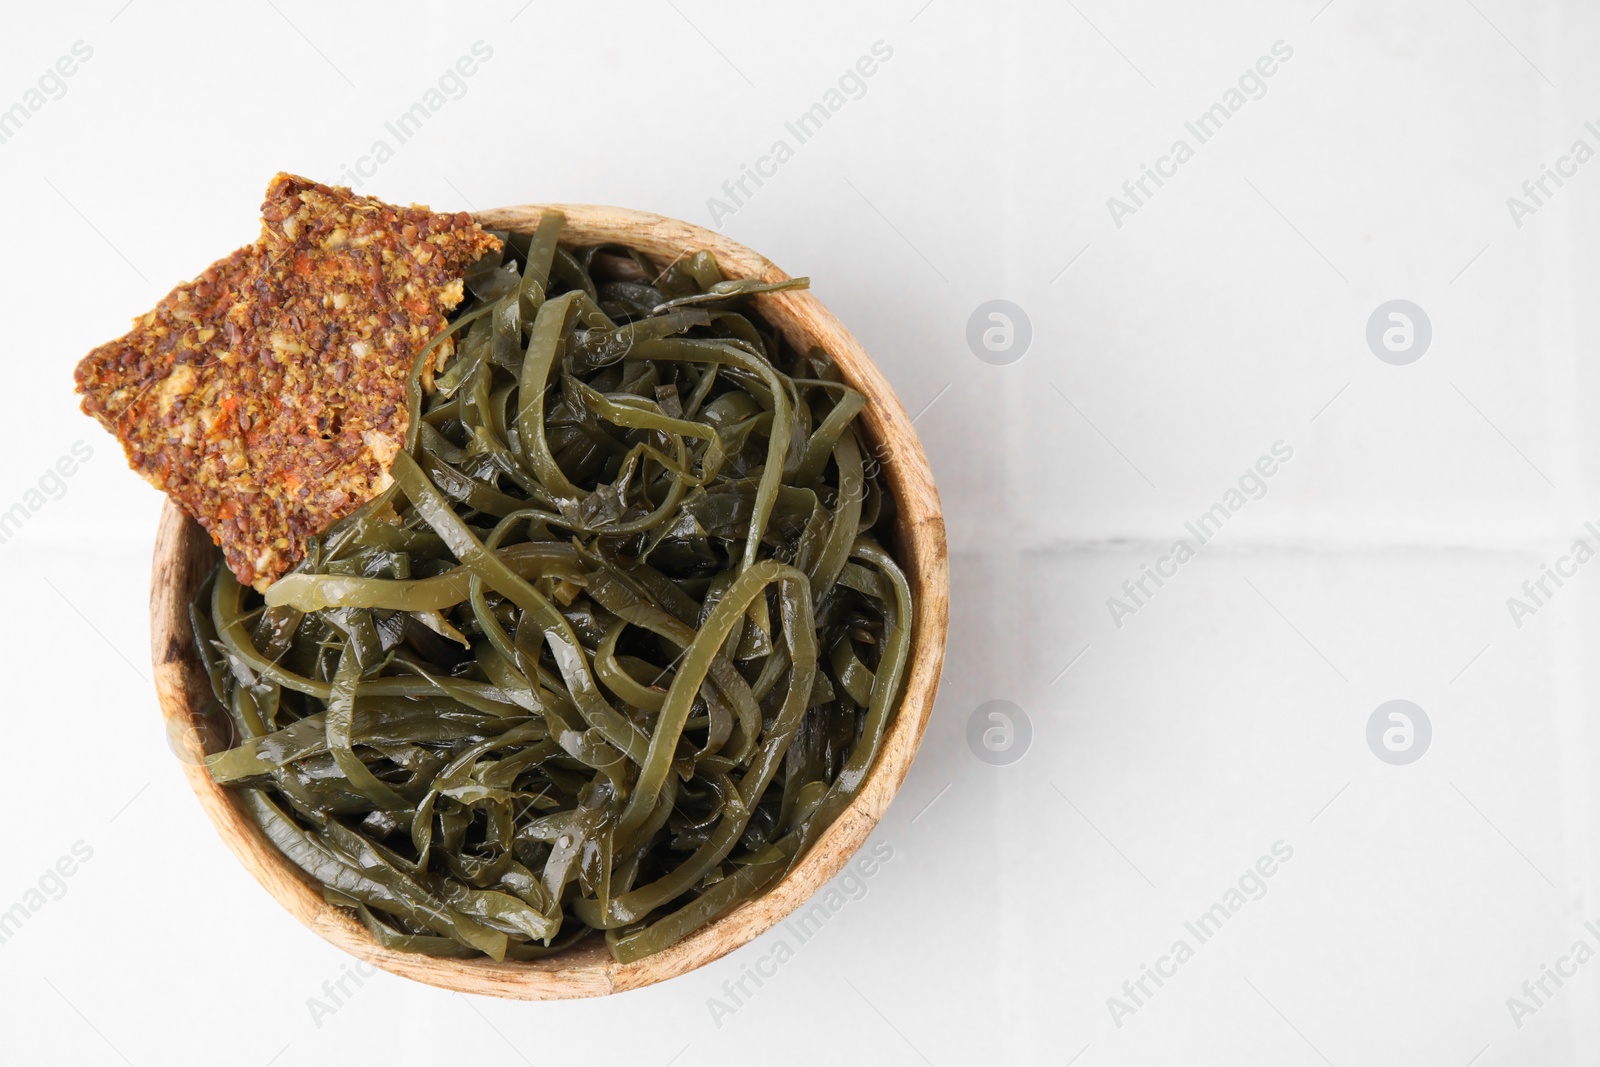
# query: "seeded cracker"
268, 396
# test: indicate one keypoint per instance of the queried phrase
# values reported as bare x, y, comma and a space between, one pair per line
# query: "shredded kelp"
613, 650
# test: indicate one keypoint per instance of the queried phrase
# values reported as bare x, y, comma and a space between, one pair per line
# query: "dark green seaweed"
612, 652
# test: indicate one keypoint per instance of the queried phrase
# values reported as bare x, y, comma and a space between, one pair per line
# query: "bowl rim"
183, 557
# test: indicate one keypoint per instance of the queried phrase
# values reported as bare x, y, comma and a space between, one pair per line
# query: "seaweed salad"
613, 650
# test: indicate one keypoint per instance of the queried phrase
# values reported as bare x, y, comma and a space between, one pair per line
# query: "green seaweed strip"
337, 726
541, 254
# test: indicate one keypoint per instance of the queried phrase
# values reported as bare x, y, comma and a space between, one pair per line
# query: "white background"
1168, 754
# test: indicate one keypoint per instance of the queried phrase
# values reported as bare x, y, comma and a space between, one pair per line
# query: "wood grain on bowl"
184, 556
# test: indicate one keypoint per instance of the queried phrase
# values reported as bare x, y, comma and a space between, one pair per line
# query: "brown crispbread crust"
268, 395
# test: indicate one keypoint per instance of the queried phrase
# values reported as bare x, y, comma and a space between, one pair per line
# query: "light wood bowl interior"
184, 556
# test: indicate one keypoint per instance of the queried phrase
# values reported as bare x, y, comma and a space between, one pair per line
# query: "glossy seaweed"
613, 650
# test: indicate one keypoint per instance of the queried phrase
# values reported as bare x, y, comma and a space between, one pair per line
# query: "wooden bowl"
184, 556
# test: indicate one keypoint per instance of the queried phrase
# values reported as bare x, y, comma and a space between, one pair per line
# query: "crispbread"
267, 396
